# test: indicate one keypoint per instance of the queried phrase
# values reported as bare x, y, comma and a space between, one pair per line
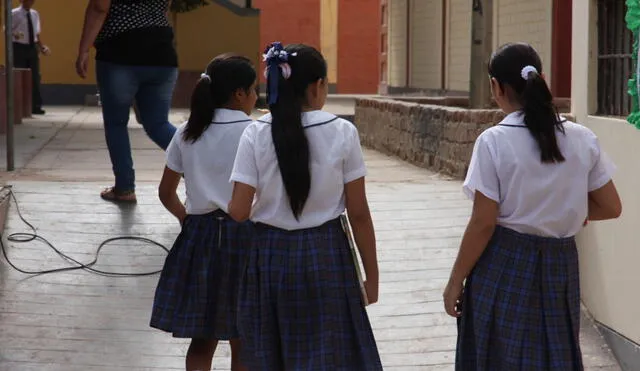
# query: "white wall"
397, 43
426, 43
609, 251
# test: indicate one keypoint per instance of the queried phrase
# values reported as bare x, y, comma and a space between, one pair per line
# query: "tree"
183, 6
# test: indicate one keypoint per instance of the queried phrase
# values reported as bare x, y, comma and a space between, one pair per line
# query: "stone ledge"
438, 138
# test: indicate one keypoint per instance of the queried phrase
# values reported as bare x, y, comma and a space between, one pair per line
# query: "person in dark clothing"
27, 45
135, 62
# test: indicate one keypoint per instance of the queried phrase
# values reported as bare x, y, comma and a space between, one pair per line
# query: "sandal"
111, 194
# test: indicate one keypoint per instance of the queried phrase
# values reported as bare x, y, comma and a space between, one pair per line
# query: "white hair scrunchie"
204, 76
526, 70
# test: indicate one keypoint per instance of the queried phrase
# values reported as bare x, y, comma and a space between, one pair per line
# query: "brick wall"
358, 46
438, 138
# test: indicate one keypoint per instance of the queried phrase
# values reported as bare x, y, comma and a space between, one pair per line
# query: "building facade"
426, 44
201, 35
346, 31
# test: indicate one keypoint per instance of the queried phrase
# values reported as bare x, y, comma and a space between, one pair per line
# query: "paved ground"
77, 321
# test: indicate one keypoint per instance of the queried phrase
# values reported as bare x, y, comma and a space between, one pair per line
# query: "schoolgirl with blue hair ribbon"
300, 305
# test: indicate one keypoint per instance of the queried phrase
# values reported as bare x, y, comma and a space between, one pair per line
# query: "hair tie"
204, 76
526, 70
277, 61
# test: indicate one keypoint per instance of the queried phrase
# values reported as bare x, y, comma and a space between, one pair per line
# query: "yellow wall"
329, 37
609, 252
212, 30
202, 34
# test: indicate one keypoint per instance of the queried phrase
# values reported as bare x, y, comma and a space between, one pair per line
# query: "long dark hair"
224, 75
511, 65
305, 66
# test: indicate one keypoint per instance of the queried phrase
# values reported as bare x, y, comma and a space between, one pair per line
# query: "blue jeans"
152, 89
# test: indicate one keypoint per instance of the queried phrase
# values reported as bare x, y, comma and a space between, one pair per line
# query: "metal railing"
615, 65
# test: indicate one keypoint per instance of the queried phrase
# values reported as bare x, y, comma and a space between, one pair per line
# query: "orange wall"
358, 36
289, 21
358, 46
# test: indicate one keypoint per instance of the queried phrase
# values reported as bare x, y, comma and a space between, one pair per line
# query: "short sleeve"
38, 24
482, 175
245, 169
353, 165
602, 168
174, 154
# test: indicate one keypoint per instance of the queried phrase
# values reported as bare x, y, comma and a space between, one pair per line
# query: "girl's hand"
372, 291
453, 298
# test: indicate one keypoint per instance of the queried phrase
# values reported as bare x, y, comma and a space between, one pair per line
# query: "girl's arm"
604, 203
167, 192
241, 201
475, 240
363, 233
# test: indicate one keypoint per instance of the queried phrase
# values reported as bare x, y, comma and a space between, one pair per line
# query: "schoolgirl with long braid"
301, 307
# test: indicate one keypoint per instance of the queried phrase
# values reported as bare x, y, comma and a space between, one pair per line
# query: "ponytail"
224, 76
292, 146
290, 71
518, 65
541, 117
202, 110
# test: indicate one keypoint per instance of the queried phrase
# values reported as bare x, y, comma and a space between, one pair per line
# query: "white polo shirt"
20, 25
335, 159
540, 199
207, 163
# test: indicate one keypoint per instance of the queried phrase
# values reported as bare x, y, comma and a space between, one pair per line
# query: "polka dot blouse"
127, 15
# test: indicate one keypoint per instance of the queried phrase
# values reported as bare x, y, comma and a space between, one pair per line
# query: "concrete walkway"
78, 321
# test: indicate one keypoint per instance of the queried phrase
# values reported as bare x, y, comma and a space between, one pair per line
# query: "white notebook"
354, 254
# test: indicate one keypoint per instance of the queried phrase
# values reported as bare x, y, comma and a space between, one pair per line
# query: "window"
615, 66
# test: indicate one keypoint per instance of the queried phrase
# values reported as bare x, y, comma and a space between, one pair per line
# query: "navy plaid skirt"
521, 306
197, 294
300, 303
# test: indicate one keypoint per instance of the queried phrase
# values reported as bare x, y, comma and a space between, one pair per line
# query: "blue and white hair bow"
277, 59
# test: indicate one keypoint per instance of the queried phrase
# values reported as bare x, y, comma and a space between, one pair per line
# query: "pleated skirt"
521, 306
300, 303
197, 293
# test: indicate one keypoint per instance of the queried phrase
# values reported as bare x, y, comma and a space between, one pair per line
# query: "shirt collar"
513, 119
229, 116
309, 118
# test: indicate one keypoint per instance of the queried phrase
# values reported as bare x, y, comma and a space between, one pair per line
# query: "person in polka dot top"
135, 61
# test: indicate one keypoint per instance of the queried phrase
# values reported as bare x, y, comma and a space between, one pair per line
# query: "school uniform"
300, 302
521, 304
197, 292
